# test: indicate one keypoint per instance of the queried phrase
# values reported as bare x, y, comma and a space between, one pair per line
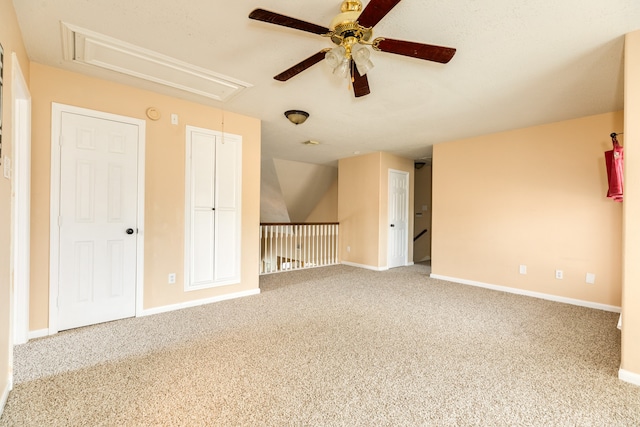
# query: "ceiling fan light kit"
361, 56
351, 30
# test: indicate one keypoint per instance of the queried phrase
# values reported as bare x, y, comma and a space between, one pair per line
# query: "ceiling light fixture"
296, 116
419, 164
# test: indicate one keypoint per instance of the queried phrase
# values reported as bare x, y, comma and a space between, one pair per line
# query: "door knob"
129, 230
393, 225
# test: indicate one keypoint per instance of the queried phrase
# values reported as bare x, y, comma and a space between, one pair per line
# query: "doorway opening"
423, 210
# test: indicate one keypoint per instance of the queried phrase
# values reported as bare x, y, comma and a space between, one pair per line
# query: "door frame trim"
408, 181
54, 231
21, 185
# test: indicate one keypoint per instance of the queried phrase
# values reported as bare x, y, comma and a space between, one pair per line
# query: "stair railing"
294, 246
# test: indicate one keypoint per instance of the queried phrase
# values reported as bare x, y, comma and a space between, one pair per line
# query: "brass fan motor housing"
345, 30
350, 29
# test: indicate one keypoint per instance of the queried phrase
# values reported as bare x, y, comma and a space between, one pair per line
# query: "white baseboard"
5, 394
371, 267
540, 295
38, 334
629, 377
367, 267
196, 303
166, 308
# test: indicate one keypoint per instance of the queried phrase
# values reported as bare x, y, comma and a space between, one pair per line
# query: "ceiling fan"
351, 31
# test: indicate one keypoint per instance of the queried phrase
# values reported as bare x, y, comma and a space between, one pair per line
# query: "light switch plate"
7, 167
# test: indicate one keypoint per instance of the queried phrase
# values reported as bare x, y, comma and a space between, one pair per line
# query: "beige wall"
303, 186
358, 208
327, 209
298, 192
631, 248
272, 205
11, 41
164, 175
363, 184
422, 246
533, 196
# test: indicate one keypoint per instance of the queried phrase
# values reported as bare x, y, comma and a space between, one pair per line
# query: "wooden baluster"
315, 245
324, 244
286, 246
270, 249
322, 237
337, 242
262, 250
289, 256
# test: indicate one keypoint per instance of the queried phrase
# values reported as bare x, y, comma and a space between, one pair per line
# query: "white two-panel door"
97, 220
213, 208
398, 219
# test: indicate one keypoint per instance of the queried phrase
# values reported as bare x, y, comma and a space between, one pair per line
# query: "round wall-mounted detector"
153, 113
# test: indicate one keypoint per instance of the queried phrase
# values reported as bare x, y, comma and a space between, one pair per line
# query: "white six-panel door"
97, 262
398, 219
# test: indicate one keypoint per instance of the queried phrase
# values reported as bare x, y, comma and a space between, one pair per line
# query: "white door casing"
397, 242
212, 208
21, 190
97, 201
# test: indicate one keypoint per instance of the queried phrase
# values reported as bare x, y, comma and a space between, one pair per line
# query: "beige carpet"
335, 346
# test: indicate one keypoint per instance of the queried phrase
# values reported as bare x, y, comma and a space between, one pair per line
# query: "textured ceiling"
519, 63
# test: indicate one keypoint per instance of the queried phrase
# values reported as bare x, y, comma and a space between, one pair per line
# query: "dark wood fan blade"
360, 83
285, 21
415, 50
375, 11
301, 66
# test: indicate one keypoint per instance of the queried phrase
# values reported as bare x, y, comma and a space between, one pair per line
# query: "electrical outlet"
559, 274
523, 269
172, 278
348, 248
591, 278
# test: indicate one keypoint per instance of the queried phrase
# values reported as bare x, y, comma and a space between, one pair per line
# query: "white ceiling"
518, 63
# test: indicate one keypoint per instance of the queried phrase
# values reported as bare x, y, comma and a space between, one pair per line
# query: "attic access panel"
87, 47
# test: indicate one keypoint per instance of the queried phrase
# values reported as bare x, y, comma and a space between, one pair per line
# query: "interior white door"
98, 231
398, 218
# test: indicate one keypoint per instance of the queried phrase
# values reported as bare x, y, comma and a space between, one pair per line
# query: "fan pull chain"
353, 80
222, 123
